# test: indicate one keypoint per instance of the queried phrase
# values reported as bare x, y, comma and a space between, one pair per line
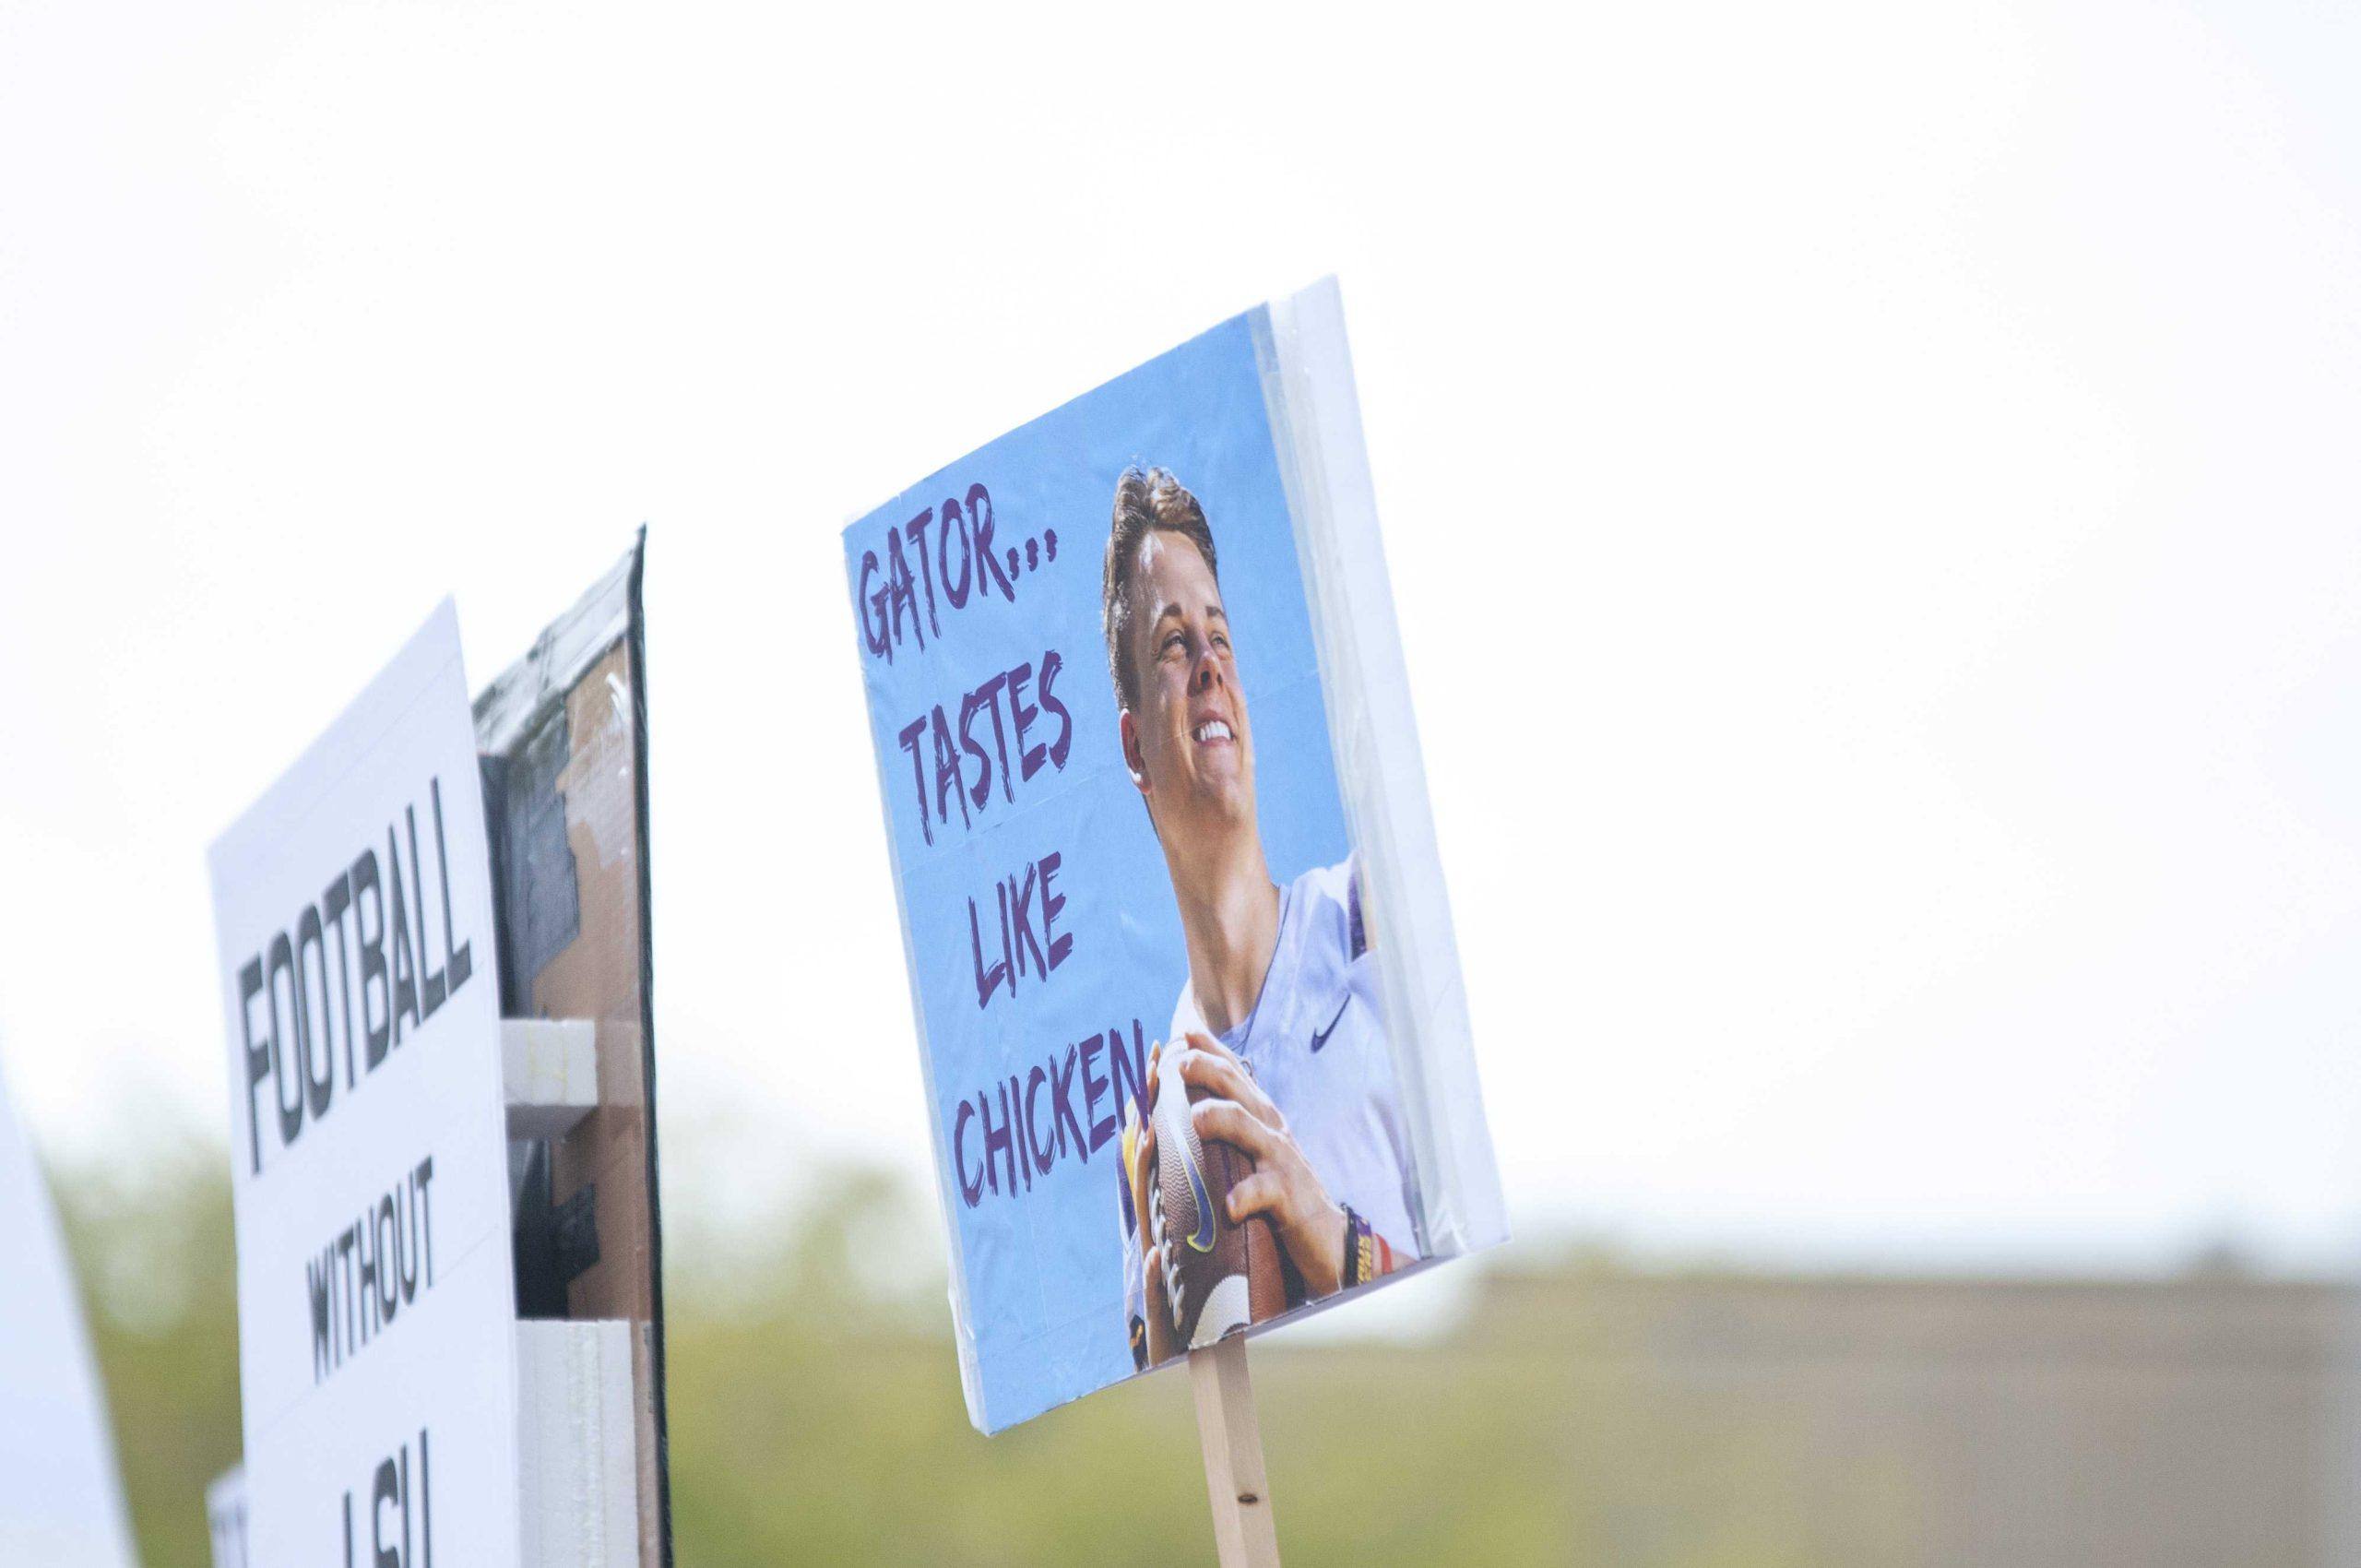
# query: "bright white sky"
1873, 493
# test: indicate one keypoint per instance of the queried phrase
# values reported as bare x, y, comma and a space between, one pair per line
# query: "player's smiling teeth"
1212, 730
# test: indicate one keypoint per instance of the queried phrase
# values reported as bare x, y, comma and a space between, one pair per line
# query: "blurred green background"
1568, 1408
816, 1416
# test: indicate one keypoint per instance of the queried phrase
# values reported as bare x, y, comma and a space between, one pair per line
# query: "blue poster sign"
1147, 951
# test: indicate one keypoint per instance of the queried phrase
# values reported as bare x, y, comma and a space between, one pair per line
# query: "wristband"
1360, 1256
1367, 1256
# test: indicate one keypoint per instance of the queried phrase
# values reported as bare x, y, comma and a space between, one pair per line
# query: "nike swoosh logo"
1320, 1037
1202, 1239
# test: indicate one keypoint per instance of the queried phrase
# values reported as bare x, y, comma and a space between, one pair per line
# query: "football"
1218, 1277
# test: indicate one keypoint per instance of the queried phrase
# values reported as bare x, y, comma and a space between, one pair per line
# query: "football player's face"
1194, 750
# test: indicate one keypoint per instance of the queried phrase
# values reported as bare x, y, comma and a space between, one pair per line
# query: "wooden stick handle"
1233, 1442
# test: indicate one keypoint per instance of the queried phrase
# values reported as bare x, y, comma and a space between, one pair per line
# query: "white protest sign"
225, 1518
59, 1499
376, 1296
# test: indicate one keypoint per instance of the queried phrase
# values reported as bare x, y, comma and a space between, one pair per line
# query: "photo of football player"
1277, 1033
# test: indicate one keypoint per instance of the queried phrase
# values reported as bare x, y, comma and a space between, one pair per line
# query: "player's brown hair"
1145, 499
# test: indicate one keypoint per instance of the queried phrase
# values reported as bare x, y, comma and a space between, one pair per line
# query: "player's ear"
1133, 759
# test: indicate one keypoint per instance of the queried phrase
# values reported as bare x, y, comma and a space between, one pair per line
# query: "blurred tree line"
816, 1416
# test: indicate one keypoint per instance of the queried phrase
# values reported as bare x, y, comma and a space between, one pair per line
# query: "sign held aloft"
1195, 1048
376, 1294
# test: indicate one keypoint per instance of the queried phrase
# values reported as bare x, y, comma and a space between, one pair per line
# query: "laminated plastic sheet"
1308, 380
1021, 791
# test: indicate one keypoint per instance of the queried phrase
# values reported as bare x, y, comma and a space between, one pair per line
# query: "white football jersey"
1316, 1044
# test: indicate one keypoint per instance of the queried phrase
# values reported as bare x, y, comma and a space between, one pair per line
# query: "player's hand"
1163, 1343
1310, 1225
